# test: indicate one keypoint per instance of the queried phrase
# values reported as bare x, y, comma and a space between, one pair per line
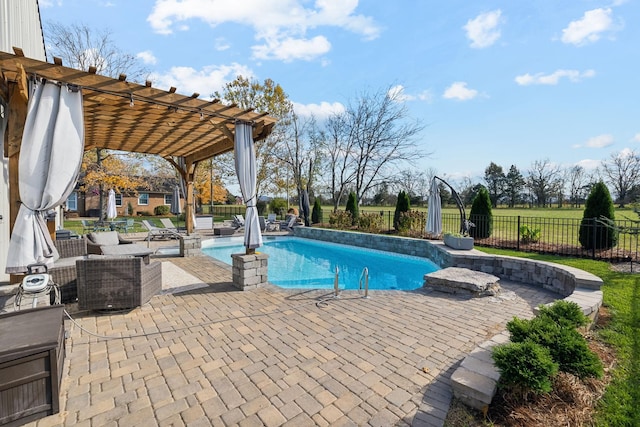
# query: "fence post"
593, 240
518, 235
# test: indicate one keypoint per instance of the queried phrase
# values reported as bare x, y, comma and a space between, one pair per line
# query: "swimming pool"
302, 263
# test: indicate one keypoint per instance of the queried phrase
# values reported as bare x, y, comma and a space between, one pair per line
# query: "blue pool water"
303, 263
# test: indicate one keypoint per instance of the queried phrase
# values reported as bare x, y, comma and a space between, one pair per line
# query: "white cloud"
320, 111
398, 93
600, 141
221, 44
589, 28
209, 79
483, 30
291, 49
281, 27
589, 164
553, 78
636, 137
147, 57
459, 91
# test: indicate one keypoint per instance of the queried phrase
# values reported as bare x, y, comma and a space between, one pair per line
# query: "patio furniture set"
105, 271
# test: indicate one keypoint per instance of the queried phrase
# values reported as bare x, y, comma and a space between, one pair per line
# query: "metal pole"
335, 284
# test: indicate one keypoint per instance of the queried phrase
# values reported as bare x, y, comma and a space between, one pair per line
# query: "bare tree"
381, 136
543, 181
414, 182
622, 171
337, 147
81, 47
577, 182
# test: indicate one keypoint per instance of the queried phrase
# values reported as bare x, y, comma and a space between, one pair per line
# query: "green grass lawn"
621, 293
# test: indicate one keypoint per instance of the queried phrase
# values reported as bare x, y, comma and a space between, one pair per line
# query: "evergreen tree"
495, 179
316, 213
402, 205
352, 206
481, 215
594, 234
513, 185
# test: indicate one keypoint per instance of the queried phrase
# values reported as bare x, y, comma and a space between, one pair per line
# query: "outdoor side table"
31, 363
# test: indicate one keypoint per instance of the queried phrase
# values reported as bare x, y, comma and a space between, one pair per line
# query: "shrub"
564, 313
129, 209
316, 213
481, 215
278, 206
565, 344
529, 235
595, 235
525, 365
412, 223
261, 205
340, 219
161, 210
370, 222
352, 207
402, 205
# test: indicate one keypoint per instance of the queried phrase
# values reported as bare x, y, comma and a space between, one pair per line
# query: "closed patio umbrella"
245, 162
434, 212
176, 208
112, 212
305, 207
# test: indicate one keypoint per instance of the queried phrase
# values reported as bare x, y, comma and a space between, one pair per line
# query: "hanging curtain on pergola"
245, 160
50, 159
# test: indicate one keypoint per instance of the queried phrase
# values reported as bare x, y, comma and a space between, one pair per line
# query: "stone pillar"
249, 271
190, 245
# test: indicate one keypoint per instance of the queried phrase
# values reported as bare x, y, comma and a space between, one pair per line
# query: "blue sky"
504, 81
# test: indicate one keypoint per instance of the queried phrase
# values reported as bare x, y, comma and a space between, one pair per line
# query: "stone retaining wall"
554, 277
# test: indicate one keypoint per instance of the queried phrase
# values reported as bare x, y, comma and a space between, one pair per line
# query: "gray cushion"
105, 238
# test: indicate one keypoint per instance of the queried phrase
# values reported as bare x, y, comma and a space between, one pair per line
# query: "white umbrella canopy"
112, 212
434, 212
245, 160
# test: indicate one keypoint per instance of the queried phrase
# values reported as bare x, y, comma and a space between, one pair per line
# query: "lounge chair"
158, 232
238, 221
272, 222
289, 223
168, 224
204, 223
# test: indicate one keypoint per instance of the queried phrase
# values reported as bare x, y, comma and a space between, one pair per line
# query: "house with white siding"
20, 26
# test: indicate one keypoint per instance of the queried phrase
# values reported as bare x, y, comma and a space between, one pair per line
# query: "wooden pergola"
119, 115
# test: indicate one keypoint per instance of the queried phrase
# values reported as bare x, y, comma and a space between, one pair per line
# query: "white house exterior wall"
20, 26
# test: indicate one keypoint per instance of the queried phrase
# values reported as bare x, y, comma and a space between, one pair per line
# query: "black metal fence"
557, 236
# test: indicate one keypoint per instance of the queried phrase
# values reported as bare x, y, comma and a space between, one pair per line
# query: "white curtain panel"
50, 159
434, 211
245, 159
112, 212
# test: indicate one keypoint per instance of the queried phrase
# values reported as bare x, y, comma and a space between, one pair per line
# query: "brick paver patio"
217, 356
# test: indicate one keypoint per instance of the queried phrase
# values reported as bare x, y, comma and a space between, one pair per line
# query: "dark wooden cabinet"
31, 364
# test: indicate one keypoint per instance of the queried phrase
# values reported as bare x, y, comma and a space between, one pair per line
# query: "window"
143, 199
119, 200
167, 199
72, 202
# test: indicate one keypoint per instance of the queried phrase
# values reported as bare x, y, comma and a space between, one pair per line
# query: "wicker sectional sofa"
63, 273
116, 283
